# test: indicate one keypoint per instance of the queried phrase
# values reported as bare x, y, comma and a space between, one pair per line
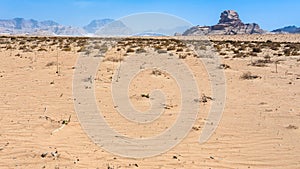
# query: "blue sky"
269, 14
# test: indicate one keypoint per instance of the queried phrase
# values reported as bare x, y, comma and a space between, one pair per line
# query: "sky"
269, 14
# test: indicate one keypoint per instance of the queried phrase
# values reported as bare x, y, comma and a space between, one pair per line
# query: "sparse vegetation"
179, 50
50, 64
182, 56
171, 48
130, 50
67, 49
161, 51
256, 50
42, 49
249, 76
140, 50
224, 66
202, 47
145, 95
156, 72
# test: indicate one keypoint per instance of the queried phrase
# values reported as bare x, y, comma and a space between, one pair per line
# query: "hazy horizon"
269, 15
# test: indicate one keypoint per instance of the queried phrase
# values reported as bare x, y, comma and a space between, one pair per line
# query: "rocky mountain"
115, 28
96, 25
287, 29
50, 28
229, 24
33, 27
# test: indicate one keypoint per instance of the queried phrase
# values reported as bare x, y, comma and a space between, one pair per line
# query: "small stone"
44, 155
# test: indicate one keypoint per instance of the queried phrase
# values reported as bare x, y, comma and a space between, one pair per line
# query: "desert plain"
259, 128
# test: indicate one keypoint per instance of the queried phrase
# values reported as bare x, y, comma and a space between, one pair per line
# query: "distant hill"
115, 28
96, 25
101, 27
229, 24
149, 34
34, 27
287, 29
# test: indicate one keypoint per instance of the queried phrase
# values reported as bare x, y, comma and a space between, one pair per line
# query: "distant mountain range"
96, 25
34, 27
287, 29
229, 23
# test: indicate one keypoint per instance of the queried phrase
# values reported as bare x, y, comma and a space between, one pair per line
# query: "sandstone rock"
229, 24
229, 17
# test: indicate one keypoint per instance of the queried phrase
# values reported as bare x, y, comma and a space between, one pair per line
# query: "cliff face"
229, 24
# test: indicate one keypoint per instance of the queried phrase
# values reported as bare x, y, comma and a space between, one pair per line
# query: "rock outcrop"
229, 24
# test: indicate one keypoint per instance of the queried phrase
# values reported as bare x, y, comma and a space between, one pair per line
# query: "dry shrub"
82, 49
202, 47
22, 47
33, 46
204, 99
259, 63
103, 48
249, 76
161, 51
50, 64
222, 53
171, 48
274, 46
218, 47
140, 50
157, 47
114, 59
224, 66
27, 50
239, 55
130, 50
67, 49
292, 127
179, 50
22, 42
156, 72
253, 54
236, 51
145, 95
182, 56
256, 50
41, 49
287, 52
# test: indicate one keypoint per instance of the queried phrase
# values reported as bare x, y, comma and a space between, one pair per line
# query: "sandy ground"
259, 127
